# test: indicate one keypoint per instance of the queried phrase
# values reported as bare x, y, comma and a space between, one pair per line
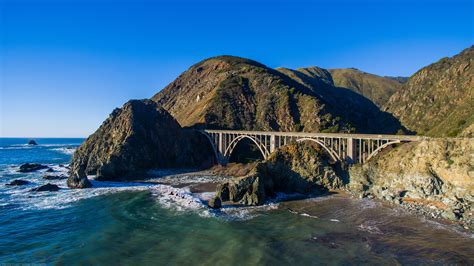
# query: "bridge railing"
327, 135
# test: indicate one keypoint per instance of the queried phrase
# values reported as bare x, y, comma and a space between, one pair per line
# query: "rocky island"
434, 176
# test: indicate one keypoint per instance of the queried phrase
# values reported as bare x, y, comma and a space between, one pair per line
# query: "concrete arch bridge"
349, 148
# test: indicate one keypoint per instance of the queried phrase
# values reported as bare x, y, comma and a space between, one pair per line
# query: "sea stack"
135, 138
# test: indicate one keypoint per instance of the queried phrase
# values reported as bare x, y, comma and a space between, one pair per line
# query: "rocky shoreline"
413, 176
434, 176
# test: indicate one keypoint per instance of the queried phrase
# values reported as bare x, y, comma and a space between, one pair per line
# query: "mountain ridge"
438, 100
237, 93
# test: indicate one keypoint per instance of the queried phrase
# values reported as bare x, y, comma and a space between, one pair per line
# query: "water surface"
137, 224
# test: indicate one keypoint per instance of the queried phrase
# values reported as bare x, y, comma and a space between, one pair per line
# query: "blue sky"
64, 65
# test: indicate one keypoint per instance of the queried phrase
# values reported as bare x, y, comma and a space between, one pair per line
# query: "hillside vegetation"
438, 100
235, 93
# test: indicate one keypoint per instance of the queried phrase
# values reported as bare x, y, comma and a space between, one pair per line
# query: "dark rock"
47, 187
32, 142
247, 190
30, 167
78, 179
54, 177
18, 182
215, 203
135, 138
50, 170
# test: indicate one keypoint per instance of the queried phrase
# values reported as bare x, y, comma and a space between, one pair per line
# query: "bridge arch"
381, 147
230, 148
331, 152
214, 148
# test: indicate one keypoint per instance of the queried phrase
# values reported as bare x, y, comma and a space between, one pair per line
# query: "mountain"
377, 89
398, 78
236, 93
438, 100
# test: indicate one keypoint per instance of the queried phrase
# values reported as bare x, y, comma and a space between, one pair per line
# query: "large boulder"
295, 168
247, 190
214, 203
135, 138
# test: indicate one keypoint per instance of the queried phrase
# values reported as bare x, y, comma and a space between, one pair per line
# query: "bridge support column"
272, 143
351, 151
220, 143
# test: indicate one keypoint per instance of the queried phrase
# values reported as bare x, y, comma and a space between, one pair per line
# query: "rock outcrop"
32, 142
18, 182
135, 138
236, 93
295, 168
47, 187
438, 100
437, 173
31, 167
54, 177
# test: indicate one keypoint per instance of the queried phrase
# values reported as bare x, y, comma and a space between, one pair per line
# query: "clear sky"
64, 65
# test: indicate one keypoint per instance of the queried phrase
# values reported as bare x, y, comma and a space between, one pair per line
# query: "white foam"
244, 212
308, 215
370, 228
65, 150
178, 199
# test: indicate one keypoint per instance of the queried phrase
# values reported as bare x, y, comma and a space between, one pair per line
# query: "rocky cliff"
438, 100
295, 168
137, 137
438, 173
434, 177
236, 93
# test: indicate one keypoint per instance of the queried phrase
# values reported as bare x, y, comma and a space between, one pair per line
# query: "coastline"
416, 207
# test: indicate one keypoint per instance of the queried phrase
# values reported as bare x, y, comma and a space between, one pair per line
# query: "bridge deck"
327, 135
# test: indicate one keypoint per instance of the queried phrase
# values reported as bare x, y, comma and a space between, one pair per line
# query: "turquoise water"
145, 224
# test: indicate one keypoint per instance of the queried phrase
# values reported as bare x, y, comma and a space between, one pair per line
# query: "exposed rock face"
215, 203
78, 177
137, 137
247, 190
300, 168
438, 100
31, 167
236, 93
47, 187
436, 172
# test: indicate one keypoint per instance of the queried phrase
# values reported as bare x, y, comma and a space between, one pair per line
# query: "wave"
65, 150
180, 199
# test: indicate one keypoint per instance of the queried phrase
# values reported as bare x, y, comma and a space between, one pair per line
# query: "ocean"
141, 223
